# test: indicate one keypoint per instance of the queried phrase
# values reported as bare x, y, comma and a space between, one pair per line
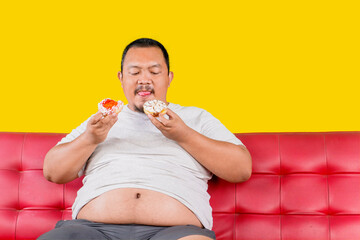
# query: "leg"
67, 230
188, 232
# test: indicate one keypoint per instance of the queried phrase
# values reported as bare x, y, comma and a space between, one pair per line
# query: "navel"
138, 195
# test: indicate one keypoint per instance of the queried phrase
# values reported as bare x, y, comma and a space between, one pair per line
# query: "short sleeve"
74, 133
214, 129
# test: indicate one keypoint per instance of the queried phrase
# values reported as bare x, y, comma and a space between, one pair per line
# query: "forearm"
226, 160
63, 162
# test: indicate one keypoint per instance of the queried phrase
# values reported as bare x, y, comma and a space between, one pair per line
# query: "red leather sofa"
304, 186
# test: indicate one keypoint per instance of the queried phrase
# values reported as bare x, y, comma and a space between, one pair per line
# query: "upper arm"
212, 128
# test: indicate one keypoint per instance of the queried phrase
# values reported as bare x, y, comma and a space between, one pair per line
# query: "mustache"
146, 88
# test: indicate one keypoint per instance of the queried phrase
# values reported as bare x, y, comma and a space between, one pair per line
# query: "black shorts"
80, 229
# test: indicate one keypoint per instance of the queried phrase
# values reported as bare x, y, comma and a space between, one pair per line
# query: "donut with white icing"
155, 107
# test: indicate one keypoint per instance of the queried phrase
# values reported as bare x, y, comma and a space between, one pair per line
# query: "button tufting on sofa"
304, 186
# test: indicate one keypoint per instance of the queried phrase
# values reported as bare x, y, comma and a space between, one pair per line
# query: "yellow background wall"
258, 66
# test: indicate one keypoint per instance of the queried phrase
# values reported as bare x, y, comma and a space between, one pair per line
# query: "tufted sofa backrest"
304, 186
29, 204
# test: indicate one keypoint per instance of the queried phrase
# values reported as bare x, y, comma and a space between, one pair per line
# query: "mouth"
144, 91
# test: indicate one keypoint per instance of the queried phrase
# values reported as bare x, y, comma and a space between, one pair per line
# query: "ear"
120, 77
171, 76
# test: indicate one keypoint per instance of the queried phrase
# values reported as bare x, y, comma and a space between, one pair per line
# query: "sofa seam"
21, 170
280, 187
20, 176
234, 227
327, 184
16, 223
63, 203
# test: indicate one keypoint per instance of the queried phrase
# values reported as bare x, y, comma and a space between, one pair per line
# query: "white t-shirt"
136, 154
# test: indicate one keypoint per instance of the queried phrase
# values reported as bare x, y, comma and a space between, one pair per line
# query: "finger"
96, 118
114, 119
156, 122
171, 113
163, 120
109, 119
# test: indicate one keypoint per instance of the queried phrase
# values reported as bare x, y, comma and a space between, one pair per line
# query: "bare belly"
138, 206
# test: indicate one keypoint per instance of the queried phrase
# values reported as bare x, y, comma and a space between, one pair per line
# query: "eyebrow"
136, 66
133, 66
155, 65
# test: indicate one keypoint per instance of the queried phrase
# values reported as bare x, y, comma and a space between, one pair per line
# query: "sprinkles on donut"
155, 107
108, 106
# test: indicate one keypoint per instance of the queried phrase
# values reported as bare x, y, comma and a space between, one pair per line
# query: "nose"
144, 79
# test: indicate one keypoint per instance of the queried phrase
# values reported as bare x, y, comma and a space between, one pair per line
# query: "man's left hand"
173, 128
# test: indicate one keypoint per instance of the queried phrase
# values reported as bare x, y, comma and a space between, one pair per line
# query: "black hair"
146, 42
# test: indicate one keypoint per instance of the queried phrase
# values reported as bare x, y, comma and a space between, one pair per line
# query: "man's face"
145, 76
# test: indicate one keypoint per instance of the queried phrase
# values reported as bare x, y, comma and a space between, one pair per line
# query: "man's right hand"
98, 127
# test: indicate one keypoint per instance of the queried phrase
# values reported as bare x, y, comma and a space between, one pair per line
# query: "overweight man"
145, 177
